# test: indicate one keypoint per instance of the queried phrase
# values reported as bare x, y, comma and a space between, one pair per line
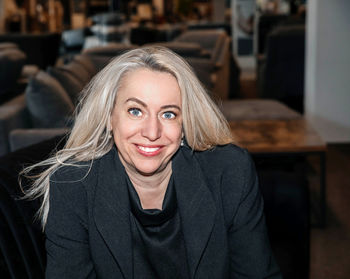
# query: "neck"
150, 189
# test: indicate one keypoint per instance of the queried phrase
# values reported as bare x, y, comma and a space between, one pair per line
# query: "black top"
88, 230
158, 243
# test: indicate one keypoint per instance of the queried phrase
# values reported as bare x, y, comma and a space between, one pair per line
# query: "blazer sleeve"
250, 252
67, 244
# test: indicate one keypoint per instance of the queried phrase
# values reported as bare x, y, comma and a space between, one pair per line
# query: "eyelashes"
169, 115
137, 113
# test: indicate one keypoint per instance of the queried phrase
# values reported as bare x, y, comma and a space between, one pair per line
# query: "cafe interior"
277, 69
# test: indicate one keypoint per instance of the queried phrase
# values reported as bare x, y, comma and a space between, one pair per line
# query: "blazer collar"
112, 209
196, 205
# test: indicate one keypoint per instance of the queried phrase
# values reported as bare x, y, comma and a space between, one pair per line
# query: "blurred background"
278, 69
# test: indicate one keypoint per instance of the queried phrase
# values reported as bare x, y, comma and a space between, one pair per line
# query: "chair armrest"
13, 115
204, 69
21, 138
201, 63
224, 55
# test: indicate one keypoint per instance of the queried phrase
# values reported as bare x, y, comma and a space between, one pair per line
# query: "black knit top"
158, 244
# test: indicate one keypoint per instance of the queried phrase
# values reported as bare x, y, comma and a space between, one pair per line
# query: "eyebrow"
145, 105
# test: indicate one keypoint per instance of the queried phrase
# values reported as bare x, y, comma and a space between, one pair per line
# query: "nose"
152, 128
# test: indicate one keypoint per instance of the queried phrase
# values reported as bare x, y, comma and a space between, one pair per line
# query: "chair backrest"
143, 35
110, 49
211, 40
41, 49
184, 49
266, 23
284, 68
19, 243
11, 63
22, 242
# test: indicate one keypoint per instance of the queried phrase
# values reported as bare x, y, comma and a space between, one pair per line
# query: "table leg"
323, 202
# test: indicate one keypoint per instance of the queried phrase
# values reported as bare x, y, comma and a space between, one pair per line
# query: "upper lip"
149, 146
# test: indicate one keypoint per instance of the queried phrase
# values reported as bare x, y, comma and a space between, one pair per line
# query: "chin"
148, 171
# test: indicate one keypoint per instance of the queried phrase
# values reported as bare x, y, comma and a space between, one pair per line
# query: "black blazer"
221, 209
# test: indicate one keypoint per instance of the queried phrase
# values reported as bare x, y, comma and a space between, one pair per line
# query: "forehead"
150, 87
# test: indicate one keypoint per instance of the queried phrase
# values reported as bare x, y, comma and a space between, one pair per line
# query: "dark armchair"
41, 49
12, 61
281, 75
22, 250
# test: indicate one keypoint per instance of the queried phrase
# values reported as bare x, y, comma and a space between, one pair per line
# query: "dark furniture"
41, 49
266, 23
213, 62
22, 250
47, 103
50, 97
12, 61
211, 25
145, 34
281, 74
287, 210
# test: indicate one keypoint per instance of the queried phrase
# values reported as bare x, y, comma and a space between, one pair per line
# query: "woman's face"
147, 121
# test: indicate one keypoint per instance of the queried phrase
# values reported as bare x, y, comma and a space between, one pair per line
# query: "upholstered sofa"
22, 250
46, 106
209, 53
40, 49
12, 60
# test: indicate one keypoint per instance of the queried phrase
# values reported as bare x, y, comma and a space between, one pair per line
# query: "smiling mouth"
149, 151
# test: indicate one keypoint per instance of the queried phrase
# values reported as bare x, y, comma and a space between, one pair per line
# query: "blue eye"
135, 112
169, 115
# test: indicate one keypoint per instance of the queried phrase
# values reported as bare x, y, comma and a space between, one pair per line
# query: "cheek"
174, 133
122, 128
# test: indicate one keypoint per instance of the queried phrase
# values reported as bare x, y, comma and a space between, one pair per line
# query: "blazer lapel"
196, 205
111, 211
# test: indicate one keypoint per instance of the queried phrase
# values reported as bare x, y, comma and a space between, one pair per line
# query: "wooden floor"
330, 246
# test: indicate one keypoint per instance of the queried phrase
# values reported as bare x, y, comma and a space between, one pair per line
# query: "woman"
148, 184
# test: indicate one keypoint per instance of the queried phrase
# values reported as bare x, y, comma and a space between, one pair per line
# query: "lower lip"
149, 154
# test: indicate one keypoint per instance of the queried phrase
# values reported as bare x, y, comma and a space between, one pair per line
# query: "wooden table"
271, 136
281, 138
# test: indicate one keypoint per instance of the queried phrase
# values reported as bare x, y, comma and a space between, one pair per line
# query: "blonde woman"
149, 185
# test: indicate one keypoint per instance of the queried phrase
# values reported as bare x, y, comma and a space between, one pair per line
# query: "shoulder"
82, 172
69, 176
227, 169
72, 187
230, 173
227, 158
69, 187
74, 178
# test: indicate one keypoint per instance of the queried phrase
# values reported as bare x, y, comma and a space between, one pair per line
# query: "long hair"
204, 126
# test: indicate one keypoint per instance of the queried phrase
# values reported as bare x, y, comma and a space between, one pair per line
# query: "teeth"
148, 149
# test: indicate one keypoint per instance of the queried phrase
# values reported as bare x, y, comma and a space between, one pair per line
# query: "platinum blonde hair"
204, 126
